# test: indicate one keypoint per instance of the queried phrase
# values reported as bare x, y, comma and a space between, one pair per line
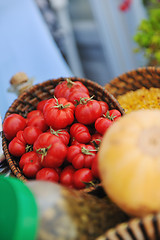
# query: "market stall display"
79, 118
144, 80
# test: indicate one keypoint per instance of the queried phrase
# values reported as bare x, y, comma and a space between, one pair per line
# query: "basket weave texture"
146, 228
28, 101
142, 77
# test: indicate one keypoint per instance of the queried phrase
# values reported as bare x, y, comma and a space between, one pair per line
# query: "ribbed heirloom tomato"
105, 121
81, 155
88, 110
63, 135
58, 113
80, 132
35, 118
50, 149
66, 88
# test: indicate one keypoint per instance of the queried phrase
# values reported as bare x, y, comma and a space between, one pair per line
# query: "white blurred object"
2, 157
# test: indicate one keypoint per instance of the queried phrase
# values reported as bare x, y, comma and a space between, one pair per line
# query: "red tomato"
62, 134
58, 113
37, 120
31, 133
41, 104
30, 169
17, 147
104, 106
51, 150
12, 124
73, 141
102, 124
67, 87
94, 168
114, 114
96, 140
81, 155
82, 176
66, 176
47, 174
29, 163
20, 136
34, 113
75, 96
80, 132
27, 158
88, 111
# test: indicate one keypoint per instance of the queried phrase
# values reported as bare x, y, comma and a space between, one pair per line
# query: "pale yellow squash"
129, 162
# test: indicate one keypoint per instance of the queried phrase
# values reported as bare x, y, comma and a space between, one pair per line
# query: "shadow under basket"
28, 101
130, 81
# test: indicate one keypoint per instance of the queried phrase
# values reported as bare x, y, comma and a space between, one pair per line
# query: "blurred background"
96, 36
95, 39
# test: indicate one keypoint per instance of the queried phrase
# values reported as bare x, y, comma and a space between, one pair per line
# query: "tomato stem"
29, 148
85, 100
60, 106
87, 151
108, 116
43, 151
70, 83
54, 132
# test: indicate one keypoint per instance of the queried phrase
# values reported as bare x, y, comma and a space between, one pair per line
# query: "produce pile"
59, 140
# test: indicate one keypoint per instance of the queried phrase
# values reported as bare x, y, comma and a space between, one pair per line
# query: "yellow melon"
129, 162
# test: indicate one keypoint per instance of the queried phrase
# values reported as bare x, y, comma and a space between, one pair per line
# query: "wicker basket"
142, 77
147, 228
28, 101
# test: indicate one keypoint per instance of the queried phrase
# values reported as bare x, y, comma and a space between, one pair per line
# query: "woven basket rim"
138, 70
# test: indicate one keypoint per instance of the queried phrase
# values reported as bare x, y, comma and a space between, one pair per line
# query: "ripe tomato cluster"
59, 140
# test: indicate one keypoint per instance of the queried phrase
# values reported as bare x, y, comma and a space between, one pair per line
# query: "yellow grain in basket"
140, 99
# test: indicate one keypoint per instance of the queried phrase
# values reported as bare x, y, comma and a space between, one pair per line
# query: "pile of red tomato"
59, 140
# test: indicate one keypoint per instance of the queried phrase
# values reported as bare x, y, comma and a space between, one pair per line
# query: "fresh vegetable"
36, 119
66, 176
81, 177
30, 165
104, 107
80, 133
17, 146
50, 149
81, 155
58, 113
31, 133
63, 135
104, 122
12, 124
129, 162
58, 138
41, 104
87, 111
66, 88
47, 174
